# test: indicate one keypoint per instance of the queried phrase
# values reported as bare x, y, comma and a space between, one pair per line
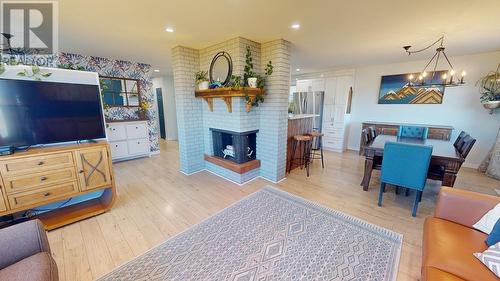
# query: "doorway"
161, 113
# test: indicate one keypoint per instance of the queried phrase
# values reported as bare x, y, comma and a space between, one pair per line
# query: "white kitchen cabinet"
128, 140
335, 118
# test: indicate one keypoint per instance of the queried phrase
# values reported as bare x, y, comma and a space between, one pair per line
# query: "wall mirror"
121, 92
221, 68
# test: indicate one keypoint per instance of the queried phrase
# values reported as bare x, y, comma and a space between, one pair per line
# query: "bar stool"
303, 142
317, 147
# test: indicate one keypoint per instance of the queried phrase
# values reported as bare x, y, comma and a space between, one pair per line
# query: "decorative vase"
252, 82
203, 85
142, 115
491, 104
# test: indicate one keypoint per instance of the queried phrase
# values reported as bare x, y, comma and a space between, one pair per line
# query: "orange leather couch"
450, 240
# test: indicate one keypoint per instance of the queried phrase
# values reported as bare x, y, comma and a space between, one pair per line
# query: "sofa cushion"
450, 247
434, 274
39, 267
491, 258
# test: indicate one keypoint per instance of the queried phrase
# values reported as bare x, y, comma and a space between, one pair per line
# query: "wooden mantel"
226, 94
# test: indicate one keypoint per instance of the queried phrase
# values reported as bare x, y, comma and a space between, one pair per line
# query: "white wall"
461, 107
166, 83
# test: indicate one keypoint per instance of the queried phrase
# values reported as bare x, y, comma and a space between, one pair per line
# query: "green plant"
201, 76
36, 73
291, 107
256, 101
248, 69
71, 66
490, 86
235, 81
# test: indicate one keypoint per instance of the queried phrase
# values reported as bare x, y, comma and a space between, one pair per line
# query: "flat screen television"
39, 112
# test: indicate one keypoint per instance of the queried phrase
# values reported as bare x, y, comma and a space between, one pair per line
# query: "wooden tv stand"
45, 175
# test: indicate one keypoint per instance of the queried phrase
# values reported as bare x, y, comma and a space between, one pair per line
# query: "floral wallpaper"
123, 69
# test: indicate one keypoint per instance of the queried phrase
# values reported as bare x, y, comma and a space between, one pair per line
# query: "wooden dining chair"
413, 132
373, 132
466, 146
459, 139
405, 165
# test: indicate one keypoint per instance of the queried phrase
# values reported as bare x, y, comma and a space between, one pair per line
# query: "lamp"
448, 79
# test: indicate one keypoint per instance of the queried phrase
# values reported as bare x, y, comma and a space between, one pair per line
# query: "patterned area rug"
271, 235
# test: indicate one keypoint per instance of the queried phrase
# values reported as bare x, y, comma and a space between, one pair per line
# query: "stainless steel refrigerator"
310, 103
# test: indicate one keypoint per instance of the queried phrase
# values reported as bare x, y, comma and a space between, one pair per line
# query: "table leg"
450, 173
368, 172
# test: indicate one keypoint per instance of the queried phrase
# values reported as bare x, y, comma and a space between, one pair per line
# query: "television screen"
37, 112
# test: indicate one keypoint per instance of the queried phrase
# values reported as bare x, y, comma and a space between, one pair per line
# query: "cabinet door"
3, 206
304, 86
93, 168
330, 89
137, 131
116, 132
318, 85
119, 149
344, 83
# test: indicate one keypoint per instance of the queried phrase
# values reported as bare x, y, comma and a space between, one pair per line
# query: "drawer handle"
116, 145
136, 127
41, 163
114, 129
138, 143
81, 171
43, 178
46, 194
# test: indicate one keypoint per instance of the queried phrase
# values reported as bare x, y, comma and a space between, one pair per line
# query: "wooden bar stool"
317, 147
303, 142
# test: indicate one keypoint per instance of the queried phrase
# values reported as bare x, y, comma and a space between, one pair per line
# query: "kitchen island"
298, 124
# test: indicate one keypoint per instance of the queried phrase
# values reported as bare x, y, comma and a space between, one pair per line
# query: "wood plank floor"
155, 201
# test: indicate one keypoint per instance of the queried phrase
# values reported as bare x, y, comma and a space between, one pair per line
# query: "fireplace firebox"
239, 147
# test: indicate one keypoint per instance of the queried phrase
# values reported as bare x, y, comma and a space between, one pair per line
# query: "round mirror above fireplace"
221, 68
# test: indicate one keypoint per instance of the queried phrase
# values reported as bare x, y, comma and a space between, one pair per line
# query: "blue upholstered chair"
405, 165
413, 132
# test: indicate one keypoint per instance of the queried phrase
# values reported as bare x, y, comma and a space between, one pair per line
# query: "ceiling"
333, 33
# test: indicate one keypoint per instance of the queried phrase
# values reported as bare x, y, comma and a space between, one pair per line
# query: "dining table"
444, 154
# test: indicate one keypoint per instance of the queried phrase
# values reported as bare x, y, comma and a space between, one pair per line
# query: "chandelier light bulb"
420, 77
452, 72
410, 76
424, 74
464, 73
445, 76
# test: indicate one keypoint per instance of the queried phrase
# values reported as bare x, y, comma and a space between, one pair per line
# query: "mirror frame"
226, 56
139, 96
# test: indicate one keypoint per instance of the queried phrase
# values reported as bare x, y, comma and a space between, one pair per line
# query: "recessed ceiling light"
298, 69
169, 29
295, 26
156, 70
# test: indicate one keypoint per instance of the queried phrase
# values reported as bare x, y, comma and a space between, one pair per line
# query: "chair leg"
397, 189
381, 193
420, 196
407, 192
415, 204
308, 148
321, 148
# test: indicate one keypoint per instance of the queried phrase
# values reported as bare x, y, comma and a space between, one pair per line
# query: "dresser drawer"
117, 132
137, 131
3, 206
36, 163
37, 180
35, 197
119, 149
139, 146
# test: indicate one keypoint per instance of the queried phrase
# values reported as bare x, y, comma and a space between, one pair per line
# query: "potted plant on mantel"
254, 80
490, 90
202, 80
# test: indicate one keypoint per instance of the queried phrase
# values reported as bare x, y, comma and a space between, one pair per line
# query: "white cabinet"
335, 118
128, 139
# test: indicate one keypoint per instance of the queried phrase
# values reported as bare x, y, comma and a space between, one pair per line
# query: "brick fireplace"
204, 133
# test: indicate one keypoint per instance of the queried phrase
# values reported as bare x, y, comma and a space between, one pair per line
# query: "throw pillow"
488, 221
491, 258
494, 236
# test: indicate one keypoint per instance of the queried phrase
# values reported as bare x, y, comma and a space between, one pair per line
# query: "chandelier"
445, 78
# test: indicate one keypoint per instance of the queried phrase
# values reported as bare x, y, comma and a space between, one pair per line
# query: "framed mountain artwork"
395, 89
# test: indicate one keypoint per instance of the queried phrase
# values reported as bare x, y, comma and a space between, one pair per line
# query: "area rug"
271, 235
